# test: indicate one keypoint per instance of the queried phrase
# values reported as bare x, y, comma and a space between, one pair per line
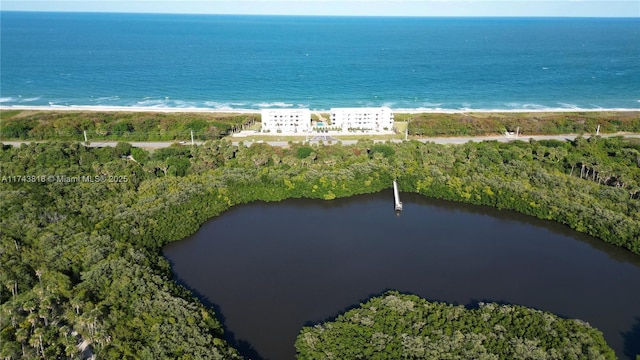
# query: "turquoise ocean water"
251, 62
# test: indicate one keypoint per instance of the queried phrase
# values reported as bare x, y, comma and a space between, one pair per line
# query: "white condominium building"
377, 119
286, 120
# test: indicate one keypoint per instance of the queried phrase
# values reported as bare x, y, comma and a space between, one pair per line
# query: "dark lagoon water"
271, 268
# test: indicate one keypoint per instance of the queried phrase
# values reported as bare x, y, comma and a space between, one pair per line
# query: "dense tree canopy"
398, 326
82, 228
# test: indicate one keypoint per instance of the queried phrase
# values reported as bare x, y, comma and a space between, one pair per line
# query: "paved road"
437, 140
141, 144
465, 139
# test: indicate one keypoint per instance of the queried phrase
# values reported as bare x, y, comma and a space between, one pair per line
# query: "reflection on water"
272, 268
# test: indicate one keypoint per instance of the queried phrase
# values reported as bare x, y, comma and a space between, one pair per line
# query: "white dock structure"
396, 197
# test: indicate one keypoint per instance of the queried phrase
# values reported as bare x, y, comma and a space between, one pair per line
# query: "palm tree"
36, 341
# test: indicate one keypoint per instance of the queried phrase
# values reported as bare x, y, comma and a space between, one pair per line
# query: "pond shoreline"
481, 276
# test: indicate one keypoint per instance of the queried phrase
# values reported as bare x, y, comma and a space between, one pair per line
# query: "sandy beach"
256, 111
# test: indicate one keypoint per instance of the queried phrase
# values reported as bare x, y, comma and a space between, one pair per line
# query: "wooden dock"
396, 197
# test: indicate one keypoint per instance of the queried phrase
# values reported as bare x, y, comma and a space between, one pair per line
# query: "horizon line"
320, 15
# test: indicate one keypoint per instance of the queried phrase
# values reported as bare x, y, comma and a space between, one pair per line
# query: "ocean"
250, 62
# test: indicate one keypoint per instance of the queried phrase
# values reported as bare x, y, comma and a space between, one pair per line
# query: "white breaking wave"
152, 103
160, 108
273, 104
525, 106
568, 106
107, 98
31, 99
428, 104
388, 104
167, 104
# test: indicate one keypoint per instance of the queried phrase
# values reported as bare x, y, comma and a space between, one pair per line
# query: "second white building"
286, 120
376, 119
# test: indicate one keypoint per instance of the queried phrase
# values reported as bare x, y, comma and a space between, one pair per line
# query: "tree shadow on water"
245, 349
632, 340
474, 304
357, 304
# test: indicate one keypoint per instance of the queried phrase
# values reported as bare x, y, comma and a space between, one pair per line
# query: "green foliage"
398, 326
591, 185
472, 124
128, 126
81, 261
385, 150
178, 166
303, 152
17, 129
123, 149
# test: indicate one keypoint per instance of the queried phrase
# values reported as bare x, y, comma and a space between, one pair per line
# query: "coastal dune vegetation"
81, 268
531, 123
119, 125
169, 126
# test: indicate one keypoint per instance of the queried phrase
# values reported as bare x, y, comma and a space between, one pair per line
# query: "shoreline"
257, 111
